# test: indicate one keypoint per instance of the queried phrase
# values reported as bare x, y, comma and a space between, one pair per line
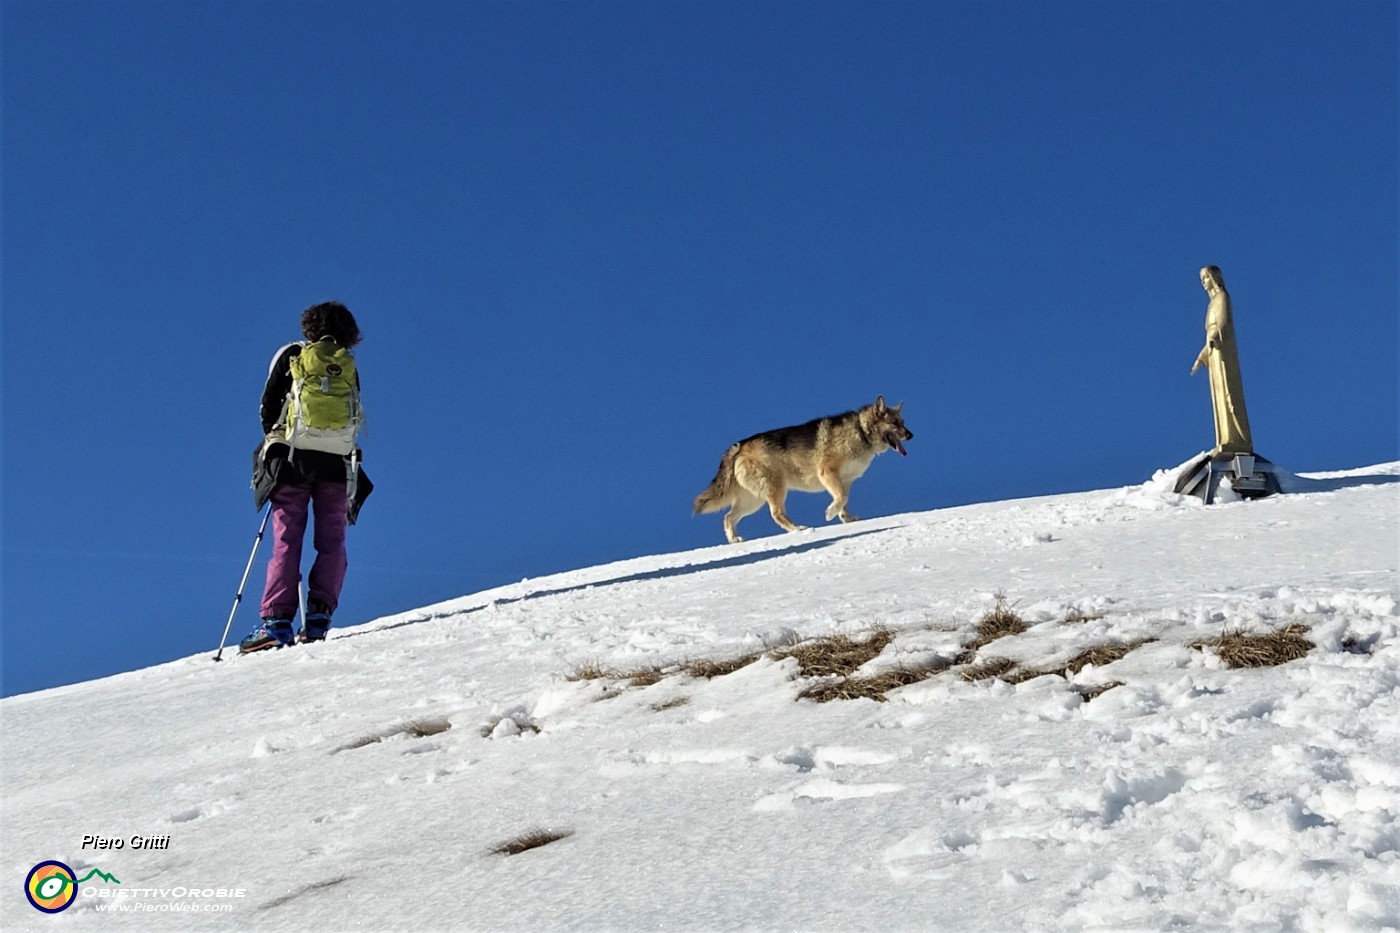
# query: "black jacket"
272, 467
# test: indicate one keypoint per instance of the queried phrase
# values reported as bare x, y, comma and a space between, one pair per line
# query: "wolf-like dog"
825, 453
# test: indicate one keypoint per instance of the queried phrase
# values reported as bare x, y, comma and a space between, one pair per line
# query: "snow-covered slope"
361, 784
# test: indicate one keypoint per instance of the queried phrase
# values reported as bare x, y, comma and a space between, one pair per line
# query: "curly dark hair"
330, 319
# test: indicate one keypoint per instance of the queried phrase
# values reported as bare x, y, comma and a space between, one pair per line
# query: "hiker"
309, 457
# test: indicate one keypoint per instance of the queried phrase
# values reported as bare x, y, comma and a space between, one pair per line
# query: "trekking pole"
301, 603
238, 597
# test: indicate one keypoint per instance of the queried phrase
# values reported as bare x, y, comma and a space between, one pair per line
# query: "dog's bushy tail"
721, 491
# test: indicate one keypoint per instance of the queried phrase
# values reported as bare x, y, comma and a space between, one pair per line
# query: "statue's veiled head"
1211, 279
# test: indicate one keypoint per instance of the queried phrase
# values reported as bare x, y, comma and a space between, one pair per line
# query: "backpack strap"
279, 384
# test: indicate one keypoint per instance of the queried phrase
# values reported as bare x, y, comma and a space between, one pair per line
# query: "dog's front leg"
777, 508
835, 509
840, 495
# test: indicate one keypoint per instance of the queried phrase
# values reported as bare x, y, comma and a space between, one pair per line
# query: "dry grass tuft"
531, 840
993, 667
591, 670
414, 728
1022, 674
710, 669
521, 723
998, 622
867, 688
836, 655
361, 742
1351, 644
646, 677
1240, 649
1099, 655
422, 728
1093, 691
670, 704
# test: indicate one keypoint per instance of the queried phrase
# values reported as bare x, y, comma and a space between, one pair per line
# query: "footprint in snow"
822, 790
825, 758
200, 811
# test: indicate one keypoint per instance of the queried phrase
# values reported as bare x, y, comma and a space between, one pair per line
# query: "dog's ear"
900, 405
879, 404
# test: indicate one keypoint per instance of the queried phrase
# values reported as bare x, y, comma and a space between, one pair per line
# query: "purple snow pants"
281, 595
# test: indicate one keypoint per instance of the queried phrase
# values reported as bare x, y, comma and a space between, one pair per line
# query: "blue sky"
592, 244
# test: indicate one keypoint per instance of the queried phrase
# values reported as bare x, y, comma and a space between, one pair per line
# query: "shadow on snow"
1300, 484
720, 563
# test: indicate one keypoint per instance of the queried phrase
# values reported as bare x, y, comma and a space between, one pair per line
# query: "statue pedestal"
1251, 477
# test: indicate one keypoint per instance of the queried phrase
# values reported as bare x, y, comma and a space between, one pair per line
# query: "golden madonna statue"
1222, 362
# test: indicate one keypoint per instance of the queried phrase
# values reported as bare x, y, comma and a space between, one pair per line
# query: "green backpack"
323, 409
